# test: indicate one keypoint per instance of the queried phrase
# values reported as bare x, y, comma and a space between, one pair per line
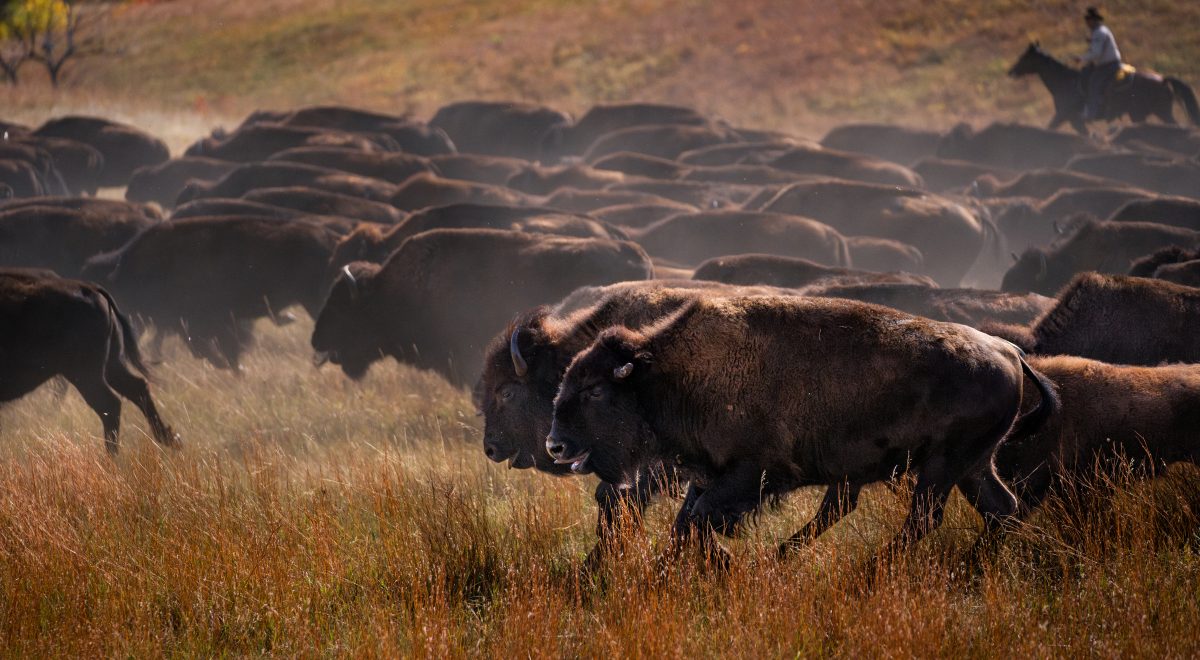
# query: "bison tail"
1029, 423
129, 351
1184, 93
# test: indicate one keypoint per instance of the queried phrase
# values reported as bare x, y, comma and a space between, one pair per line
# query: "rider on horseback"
1101, 62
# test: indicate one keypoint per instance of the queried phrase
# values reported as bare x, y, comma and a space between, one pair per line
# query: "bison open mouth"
578, 463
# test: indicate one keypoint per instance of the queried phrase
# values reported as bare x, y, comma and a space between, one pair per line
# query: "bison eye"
595, 392
506, 393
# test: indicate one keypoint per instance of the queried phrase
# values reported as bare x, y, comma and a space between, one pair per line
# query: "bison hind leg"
134, 387
839, 501
101, 398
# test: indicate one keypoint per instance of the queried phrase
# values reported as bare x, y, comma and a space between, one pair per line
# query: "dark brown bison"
493, 170
1174, 211
429, 190
706, 390
586, 201
949, 235
1104, 247
260, 141
639, 215
704, 195
746, 175
974, 307
1028, 224
1013, 146
1182, 140
740, 153
388, 166
523, 366
89, 205
662, 140
42, 163
1116, 319
884, 255
1040, 184
51, 326
845, 165
410, 137
694, 237
216, 206
279, 174
1146, 266
541, 180
1186, 273
792, 272
374, 243
643, 165
574, 138
124, 147
498, 128
943, 175
22, 178
899, 144
79, 164
1110, 414
322, 202
162, 183
1169, 176
208, 279
62, 239
441, 296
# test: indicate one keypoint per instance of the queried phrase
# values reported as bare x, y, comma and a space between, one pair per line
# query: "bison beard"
718, 390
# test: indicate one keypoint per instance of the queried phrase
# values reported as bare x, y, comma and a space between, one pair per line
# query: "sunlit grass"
306, 514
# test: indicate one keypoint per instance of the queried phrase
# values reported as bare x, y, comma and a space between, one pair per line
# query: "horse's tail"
1185, 94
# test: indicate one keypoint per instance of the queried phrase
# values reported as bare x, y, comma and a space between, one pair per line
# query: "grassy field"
306, 515
181, 66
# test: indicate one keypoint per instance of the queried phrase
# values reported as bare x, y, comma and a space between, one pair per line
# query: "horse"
1141, 95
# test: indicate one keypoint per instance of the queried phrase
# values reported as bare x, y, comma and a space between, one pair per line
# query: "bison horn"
351, 279
1041, 265
514, 349
622, 372
1057, 227
1015, 257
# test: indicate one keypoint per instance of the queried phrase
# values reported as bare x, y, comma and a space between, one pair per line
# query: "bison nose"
555, 446
493, 450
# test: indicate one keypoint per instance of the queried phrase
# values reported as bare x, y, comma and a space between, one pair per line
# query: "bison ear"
622, 372
351, 281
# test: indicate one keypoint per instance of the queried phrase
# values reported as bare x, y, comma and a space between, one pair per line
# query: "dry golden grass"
306, 515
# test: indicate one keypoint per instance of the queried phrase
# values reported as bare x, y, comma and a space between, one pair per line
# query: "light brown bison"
1148, 416
706, 390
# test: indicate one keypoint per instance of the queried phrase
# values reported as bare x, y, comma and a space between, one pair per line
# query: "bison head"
597, 424
516, 392
344, 333
1028, 273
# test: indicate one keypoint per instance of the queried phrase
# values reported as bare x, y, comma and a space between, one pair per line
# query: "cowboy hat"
1092, 14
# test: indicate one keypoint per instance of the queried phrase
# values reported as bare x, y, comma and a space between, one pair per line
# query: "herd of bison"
650, 294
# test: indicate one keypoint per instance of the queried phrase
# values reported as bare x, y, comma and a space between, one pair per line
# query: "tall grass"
308, 515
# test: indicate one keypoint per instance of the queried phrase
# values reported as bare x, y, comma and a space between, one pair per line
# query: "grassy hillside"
800, 65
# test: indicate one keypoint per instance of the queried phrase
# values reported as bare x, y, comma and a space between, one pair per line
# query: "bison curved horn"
622, 372
514, 349
351, 279
1014, 256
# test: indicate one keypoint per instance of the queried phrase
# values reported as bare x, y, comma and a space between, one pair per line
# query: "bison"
694, 237
1104, 247
63, 239
573, 138
845, 165
52, 326
442, 294
498, 128
123, 147
1013, 146
208, 279
898, 144
388, 166
163, 182
793, 272
707, 390
1116, 319
1110, 413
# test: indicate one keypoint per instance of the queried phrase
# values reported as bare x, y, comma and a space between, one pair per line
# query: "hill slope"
799, 65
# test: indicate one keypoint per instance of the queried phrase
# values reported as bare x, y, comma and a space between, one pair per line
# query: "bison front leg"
717, 509
839, 500
615, 504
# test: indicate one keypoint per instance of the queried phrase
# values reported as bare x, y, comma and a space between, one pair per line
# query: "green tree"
42, 31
